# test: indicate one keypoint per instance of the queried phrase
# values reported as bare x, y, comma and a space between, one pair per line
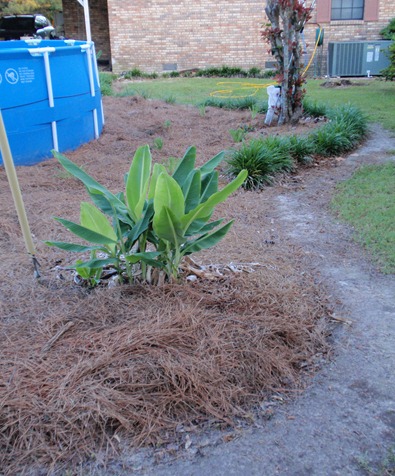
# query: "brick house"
159, 35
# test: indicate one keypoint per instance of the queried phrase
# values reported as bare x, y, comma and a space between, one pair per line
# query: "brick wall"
158, 35
74, 24
149, 34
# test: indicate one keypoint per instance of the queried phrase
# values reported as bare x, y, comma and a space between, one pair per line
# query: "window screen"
347, 9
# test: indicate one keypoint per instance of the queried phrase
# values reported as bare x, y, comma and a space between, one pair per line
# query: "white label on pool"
11, 76
26, 74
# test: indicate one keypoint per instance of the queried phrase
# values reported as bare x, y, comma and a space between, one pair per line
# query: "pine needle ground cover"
89, 372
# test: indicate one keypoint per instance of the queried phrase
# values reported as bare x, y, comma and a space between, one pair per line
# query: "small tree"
287, 20
388, 33
45, 7
389, 72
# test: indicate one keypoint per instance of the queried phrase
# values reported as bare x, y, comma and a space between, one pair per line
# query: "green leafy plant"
158, 220
301, 149
231, 103
346, 128
106, 80
389, 72
254, 72
133, 73
388, 32
254, 110
170, 99
167, 124
237, 134
262, 159
314, 108
202, 110
158, 143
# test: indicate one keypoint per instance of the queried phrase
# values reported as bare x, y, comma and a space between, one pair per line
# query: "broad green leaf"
201, 226
95, 263
210, 165
209, 185
156, 171
110, 205
88, 273
186, 166
77, 172
168, 194
74, 247
207, 207
147, 257
168, 227
191, 190
86, 233
141, 226
138, 181
90, 183
207, 241
94, 219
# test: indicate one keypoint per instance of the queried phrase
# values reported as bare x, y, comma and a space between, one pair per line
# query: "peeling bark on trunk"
287, 19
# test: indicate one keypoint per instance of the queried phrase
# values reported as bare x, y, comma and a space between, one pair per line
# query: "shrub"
238, 134
106, 80
300, 149
346, 129
253, 72
262, 159
389, 72
389, 31
133, 73
314, 108
230, 103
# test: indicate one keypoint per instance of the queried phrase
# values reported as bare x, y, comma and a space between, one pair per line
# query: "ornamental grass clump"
346, 128
144, 232
301, 149
314, 108
262, 159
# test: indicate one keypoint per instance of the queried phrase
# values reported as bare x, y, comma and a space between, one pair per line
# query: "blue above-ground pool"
49, 97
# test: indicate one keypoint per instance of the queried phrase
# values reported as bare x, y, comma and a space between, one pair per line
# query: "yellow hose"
227, 93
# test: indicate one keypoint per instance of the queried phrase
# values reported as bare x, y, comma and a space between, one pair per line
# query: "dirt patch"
138, 362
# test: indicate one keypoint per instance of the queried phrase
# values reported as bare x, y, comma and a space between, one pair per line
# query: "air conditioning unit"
357, 58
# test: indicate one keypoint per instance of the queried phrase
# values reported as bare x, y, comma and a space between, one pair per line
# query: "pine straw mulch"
84, 371
138, 361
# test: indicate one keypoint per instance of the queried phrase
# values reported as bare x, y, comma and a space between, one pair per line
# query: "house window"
347, 9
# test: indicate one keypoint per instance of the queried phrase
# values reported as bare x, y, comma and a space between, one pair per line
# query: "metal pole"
16, 194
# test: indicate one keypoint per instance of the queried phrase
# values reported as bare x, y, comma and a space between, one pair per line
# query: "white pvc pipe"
87, 22
51, 98
89, 51
95, 124
98, 80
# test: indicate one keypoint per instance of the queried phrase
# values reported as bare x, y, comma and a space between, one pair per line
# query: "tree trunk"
287, 19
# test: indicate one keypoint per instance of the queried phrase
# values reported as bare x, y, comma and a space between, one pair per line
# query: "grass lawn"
367, 201
376, 98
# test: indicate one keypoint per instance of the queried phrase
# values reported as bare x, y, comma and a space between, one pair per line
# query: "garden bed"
83, 370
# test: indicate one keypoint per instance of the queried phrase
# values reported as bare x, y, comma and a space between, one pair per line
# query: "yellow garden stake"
16, 194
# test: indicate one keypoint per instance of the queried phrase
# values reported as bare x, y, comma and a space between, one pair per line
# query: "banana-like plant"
159, 219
